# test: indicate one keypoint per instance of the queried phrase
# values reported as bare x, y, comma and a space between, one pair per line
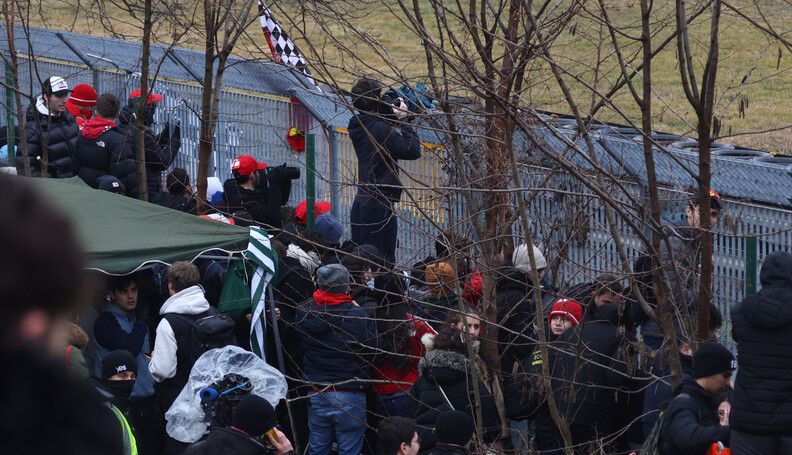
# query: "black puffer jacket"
57, 134
161, 149
101, 150
449, 371
378, 170
690, 425
762, 327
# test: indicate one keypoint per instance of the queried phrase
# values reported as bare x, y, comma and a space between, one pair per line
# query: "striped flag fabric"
260, 252
280, 44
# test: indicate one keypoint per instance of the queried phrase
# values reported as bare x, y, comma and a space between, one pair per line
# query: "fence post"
310, 179
751, 255
334, 165
9, 74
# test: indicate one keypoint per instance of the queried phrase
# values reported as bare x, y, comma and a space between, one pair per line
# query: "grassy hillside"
342, 39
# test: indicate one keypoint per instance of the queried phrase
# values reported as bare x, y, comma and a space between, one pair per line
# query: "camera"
390, 101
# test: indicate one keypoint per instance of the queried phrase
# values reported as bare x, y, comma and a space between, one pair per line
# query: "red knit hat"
301, 212
152, 97
569, 309
83, 94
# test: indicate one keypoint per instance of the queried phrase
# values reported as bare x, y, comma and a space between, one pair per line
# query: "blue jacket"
114, 330
660, 391
339, 341
378, 171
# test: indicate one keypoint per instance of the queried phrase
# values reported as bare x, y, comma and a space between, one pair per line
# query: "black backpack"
653, 444
209, 330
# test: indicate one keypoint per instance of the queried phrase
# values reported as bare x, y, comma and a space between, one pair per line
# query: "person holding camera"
381, 135
255, 194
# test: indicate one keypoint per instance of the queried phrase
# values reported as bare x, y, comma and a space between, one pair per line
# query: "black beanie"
254, 415
711, 359
454, 427
116, 362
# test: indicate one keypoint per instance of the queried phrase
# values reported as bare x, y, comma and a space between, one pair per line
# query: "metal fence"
257, 123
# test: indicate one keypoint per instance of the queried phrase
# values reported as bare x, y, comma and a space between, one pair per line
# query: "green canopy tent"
120, 234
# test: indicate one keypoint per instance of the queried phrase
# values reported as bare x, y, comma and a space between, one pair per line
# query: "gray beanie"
521, 261
333, 278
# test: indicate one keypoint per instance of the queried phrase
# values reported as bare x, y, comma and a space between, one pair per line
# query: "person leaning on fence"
51, 132
101, 149
160, 149
761, 415
340, 344
374, 132
680, 258
252, 193
690, 424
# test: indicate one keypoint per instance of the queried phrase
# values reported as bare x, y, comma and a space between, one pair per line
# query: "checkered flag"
280, 44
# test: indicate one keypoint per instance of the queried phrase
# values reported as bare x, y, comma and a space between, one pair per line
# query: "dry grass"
339, 54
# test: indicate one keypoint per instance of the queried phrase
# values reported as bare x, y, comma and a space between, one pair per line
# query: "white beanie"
521, 261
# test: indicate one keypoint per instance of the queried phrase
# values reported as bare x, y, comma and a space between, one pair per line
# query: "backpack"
206, 331
653, 444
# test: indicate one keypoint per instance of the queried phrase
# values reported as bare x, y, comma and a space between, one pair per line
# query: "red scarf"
96, 127
325, 298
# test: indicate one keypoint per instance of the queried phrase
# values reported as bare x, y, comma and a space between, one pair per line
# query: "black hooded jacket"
57, 134
762, 328
449, 371
101, 150
690, 425
261, 206
161, 149
378, 170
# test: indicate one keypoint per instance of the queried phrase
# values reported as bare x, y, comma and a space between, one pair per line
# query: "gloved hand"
164, 135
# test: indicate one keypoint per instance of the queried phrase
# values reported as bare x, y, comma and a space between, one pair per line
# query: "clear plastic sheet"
186, 418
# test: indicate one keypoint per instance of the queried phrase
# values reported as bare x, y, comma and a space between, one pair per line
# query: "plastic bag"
186, 417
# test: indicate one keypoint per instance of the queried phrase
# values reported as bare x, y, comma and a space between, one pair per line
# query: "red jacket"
387, 372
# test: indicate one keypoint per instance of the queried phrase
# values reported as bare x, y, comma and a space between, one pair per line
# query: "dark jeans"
374, 223
756, 444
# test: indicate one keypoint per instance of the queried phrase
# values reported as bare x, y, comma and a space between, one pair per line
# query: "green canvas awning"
120, 234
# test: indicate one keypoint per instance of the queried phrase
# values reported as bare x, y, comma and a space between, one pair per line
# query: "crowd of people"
377, 359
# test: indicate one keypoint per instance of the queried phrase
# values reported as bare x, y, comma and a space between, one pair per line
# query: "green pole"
310, 179
10, 115
750, 264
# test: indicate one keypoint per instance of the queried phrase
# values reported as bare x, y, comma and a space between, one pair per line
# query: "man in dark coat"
690, 423
101, 149
340, 342
761, 415
252, 430
50, 129
253, 194
378, 144
160, 149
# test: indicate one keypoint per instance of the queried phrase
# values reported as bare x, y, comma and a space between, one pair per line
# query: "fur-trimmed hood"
75, 335
446, 366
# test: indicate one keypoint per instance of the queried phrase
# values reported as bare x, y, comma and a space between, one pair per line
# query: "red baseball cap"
301, 212
246, 165
152, 97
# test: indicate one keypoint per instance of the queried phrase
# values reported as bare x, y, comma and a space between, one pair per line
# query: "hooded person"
160, 149
81, 103
761, 413
455, 431
101, 149
253, 194
252, 432
381, 135
50, 131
